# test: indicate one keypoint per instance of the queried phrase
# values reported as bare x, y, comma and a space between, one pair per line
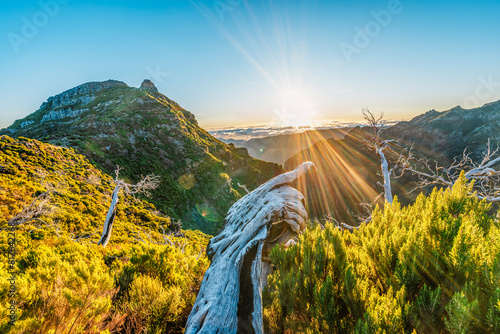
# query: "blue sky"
235, 62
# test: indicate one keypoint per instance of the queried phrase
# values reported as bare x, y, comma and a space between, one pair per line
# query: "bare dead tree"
145, 185
85, 236
429, 173
230, 297
244, 187
168, 237
486, 178
40, 206
365, 214
376, 143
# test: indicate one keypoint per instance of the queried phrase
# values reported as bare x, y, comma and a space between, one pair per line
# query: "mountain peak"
492, 104
149, 85
145, 132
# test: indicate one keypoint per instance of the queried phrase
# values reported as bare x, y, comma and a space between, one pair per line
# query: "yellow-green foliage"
82, 193
432, 267
160, 284
62, 288
66, 285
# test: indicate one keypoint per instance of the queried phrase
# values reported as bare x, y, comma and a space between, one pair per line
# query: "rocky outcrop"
82, 94
60, 114
149, 85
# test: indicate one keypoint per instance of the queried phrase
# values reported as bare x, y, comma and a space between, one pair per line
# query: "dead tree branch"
39, 207
379, 145
486, 178
144, 186
272, 214
244, 187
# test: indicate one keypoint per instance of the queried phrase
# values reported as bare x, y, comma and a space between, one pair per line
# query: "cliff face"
145, 132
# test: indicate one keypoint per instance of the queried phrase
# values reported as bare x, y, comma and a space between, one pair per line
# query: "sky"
240, 63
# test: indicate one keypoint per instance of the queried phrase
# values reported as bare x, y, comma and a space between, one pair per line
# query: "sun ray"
341, 185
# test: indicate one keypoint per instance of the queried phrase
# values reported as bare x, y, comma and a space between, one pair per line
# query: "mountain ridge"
437, 136
144, 132
451, 131
280, 148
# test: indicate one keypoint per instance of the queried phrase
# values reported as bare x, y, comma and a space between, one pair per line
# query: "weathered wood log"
230, 297
110, 217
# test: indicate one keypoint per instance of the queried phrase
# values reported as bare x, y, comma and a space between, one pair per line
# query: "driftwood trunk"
230, 297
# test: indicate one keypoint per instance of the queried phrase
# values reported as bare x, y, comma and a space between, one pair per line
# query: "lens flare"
208, 212
343, 178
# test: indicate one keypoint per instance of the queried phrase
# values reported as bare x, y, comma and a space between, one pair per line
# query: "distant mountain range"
348, 172
450, 132
280, 148
144, 132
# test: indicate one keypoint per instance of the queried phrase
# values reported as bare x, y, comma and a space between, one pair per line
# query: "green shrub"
69, 285
432, 267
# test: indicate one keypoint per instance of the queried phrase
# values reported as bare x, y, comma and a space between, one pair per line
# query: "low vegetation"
145, 281
431, 267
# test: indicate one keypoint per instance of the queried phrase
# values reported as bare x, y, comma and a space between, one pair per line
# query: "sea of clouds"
252, 132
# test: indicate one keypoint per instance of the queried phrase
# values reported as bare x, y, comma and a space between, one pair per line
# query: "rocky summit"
149, 85
144, 132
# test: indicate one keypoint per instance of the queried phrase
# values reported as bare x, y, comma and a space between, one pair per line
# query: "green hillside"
64, 282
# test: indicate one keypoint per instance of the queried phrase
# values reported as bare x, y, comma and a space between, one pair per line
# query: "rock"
149, 85
60, 114
82, 94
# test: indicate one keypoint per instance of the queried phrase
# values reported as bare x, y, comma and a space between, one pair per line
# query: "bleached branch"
144, 186
379, 145
168, 238
485, 176
39, 206
244, 187
272, 214
73, 237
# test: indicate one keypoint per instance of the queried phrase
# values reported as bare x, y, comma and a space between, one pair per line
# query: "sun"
296, 109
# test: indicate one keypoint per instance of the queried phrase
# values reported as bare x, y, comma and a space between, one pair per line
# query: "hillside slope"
144, 132
81, 193
62, 279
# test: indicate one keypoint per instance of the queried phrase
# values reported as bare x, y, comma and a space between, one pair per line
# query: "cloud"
248, 133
